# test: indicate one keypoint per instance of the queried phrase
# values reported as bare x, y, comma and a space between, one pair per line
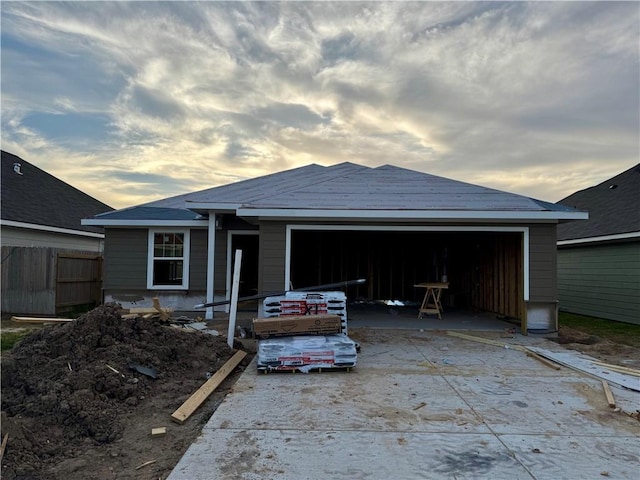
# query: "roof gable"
613, 205
31, 195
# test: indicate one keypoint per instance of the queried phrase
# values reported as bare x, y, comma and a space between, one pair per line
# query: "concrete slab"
419, 405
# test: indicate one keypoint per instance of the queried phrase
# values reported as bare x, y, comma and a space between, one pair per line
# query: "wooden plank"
542, 360
607, 392
158, 431
486, 341
235, 286
41, 320
163, 313
200, 395
145, 310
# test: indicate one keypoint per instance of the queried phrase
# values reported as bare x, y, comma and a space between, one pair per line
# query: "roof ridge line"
299, 186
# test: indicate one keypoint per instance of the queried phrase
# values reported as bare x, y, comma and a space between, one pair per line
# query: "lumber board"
41, 320
542, 360
149, 310
607, 392
200, 395
486, 341
164, 315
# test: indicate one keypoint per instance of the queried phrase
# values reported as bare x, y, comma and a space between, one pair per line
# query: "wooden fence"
49, 281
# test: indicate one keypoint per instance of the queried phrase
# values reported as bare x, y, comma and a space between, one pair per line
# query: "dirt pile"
69, 388
600, 348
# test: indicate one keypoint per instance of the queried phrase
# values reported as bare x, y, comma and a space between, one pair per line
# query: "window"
168, 264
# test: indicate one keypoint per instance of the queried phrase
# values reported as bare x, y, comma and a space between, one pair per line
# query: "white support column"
211, 255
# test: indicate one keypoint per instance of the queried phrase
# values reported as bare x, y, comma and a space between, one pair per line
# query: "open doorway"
248, 242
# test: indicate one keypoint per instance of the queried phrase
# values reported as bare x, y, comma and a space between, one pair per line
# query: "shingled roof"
347, 190
613, 206
32, 196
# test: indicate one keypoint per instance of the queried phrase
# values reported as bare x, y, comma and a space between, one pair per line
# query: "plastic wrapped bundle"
306, 353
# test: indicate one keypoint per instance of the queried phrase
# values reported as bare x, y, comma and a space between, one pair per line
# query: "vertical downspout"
211, 255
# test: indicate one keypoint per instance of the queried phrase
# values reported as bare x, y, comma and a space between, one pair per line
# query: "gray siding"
272, 257
24, 237
601, 281
198, 260
542, 263
125, 259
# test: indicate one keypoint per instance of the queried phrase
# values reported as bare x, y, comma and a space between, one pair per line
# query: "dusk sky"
136, 101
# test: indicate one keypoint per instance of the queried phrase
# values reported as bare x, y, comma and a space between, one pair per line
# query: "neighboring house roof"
348, 190
32, 197
613, 205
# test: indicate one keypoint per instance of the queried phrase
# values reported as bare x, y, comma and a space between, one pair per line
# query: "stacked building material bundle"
306, 353
304, 331
307, 303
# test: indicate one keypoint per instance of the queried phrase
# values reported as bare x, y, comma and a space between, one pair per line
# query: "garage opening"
484, 269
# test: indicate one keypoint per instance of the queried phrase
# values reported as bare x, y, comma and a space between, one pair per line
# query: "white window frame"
185, 259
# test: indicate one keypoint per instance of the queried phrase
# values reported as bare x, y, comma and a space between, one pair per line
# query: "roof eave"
50, 229
599, 239
145, 223
408, 215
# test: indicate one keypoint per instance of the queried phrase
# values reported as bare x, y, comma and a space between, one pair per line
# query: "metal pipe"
326, 286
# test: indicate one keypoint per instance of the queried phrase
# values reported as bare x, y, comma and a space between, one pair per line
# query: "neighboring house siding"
272, 257
125, 254
24, 237
601, 281
198, 260
542, 263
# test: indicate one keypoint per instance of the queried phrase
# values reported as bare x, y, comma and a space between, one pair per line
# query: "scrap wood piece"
542, 360
200, 395
486, 340
150, 462
4, 445
158, 431
41, 320
607, 392
164, 315
145, 310
586, 364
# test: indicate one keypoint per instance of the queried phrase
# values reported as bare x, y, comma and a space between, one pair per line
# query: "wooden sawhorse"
431, 302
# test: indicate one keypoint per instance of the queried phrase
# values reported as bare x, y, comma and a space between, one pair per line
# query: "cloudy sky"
136, 101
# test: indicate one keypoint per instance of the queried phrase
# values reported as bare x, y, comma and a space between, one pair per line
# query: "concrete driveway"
420, 405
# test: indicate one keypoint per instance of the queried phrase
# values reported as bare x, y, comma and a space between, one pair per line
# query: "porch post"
211, 255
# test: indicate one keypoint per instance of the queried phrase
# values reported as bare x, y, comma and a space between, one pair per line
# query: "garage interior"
484, 269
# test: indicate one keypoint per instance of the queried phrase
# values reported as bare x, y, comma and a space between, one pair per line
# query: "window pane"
168, 245
167, 272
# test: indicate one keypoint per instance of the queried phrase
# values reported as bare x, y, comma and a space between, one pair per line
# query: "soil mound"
69, 386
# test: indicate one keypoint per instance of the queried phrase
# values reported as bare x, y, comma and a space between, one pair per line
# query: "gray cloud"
540, 98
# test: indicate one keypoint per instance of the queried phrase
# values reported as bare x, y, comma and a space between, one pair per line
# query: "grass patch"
618, 332
9, 339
